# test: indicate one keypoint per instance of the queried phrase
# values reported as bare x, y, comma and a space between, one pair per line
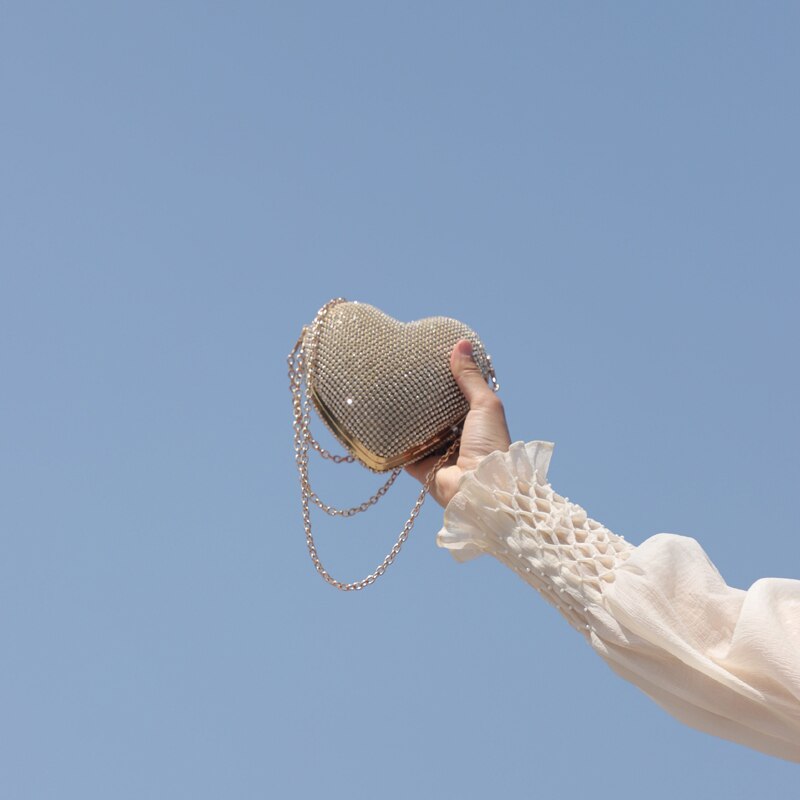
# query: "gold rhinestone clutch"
385, 390
383, 387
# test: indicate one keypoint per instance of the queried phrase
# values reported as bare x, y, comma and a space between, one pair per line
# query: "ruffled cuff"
475, 520
506, 508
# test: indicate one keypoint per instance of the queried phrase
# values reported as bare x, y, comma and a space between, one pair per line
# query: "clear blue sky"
607, 193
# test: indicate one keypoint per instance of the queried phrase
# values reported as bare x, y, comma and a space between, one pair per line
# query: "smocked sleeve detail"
719, 659
507, 509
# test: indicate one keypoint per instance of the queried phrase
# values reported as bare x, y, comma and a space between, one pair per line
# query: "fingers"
420, 469
485, 429
445, 484
469, 377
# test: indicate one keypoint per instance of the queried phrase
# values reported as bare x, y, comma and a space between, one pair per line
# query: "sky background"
606, 192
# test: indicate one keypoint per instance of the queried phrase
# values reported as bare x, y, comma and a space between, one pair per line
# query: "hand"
485, 428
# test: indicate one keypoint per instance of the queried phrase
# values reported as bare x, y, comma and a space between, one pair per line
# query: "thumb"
468, 375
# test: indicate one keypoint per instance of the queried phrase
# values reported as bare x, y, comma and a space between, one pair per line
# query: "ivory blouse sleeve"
722, 660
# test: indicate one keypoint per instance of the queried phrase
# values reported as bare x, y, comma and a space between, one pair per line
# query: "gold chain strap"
300, 373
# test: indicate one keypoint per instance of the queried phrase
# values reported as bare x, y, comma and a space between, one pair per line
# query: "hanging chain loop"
300, 373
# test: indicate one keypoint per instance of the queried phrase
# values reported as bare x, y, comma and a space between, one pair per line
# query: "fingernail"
464, 348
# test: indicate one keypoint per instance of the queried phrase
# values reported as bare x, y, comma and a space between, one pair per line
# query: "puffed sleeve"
720, 659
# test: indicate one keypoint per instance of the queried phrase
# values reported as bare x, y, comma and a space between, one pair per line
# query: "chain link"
300, 375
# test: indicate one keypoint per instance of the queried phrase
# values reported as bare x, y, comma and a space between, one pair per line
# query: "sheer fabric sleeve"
720, 659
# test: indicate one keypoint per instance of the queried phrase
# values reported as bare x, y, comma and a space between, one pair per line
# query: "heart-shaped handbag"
385, 390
